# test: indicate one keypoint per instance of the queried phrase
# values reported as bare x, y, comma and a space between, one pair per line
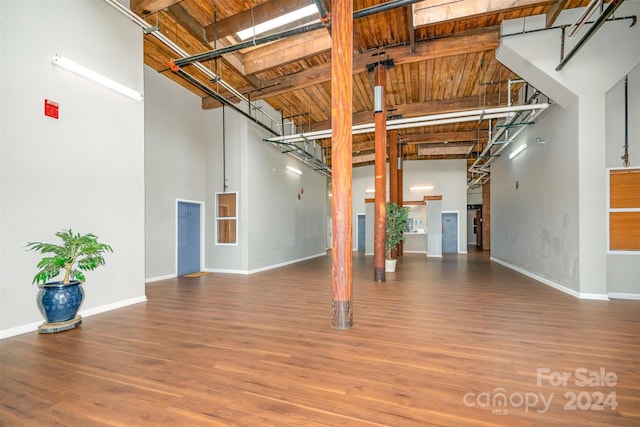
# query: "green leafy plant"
75, 254
396, 217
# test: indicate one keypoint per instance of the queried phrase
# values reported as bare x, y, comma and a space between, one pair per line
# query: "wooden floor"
450, 342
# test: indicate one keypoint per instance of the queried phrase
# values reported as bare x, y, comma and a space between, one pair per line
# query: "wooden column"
400, 192
393, 174
379, 215
393, 166
341, 174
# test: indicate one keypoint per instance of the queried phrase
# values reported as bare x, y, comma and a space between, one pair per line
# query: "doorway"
188, 237
361, 232
450, 232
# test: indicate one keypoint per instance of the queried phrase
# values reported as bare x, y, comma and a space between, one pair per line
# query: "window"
226, 219
624, 210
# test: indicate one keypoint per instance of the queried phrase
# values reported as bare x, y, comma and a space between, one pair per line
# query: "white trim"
414, 252
202, 234
158, 278
618, 295
31, 327
217, 218
572, 292
108, 307
269, 267
19, 330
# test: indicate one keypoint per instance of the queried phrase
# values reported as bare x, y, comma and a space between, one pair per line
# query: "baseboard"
31, 327
269, 267
158, 278
415, 252
548, 282
113, 306
619, 295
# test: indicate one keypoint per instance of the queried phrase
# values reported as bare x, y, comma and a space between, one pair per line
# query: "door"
450, 232
361, 232
188, 238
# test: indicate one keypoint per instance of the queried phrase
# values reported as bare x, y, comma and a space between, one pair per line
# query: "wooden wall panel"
624, 189
624, 231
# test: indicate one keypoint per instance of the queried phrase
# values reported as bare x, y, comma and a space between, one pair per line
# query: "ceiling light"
277, 22
370, 190
517, 151
294, 170
96, 77
421, 188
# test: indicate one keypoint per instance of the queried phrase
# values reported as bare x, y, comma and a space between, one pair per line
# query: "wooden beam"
435, 137
341, 177
421, 108
379, 214
475, 41
257, 15
431, 12
146, 7
286, 51
554, 11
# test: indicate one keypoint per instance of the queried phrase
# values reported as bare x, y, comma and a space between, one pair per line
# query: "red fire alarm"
50, 108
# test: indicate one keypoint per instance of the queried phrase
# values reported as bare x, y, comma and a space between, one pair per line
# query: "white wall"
535, 227
447, 176
175, 165
276, 227
84, 170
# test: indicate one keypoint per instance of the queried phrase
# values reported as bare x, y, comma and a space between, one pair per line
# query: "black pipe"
224, 154
322, 9
288, 33
625, 157
591, 31
222, 99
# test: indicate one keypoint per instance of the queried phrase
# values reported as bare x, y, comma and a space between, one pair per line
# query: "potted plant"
59, 301
396, 217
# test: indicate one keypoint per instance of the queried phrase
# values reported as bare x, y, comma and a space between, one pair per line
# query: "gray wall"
623, 270
175, 165
534, 227
84, 170
585, 82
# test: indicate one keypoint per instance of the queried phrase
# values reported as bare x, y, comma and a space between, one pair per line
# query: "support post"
379, 229
393, 174
400, 191
341, 144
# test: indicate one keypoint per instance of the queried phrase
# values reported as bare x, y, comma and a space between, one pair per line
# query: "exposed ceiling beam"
421, 108
430, 12
287, 51
257, 15
146, 7
554, 12
441, 137
476, 41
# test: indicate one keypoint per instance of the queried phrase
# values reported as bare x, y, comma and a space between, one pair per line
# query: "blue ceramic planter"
59, 302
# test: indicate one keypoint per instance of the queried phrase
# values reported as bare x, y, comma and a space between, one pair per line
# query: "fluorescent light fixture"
285, 19
517, 151
421, 188
294, 170
370, 190
96, 77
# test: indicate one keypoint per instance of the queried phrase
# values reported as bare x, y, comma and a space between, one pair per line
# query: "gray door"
188, 238
450, 232
361, 232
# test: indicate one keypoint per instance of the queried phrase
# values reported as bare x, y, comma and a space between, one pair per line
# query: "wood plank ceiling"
443, 55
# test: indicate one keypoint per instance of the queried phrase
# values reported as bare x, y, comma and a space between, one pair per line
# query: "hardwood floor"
441, 342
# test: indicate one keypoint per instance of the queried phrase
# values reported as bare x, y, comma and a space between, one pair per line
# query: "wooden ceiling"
445, 63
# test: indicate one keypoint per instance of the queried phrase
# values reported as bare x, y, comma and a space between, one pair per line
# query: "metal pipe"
288, 33
322, 9
590, 32
157, 34
625, 157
